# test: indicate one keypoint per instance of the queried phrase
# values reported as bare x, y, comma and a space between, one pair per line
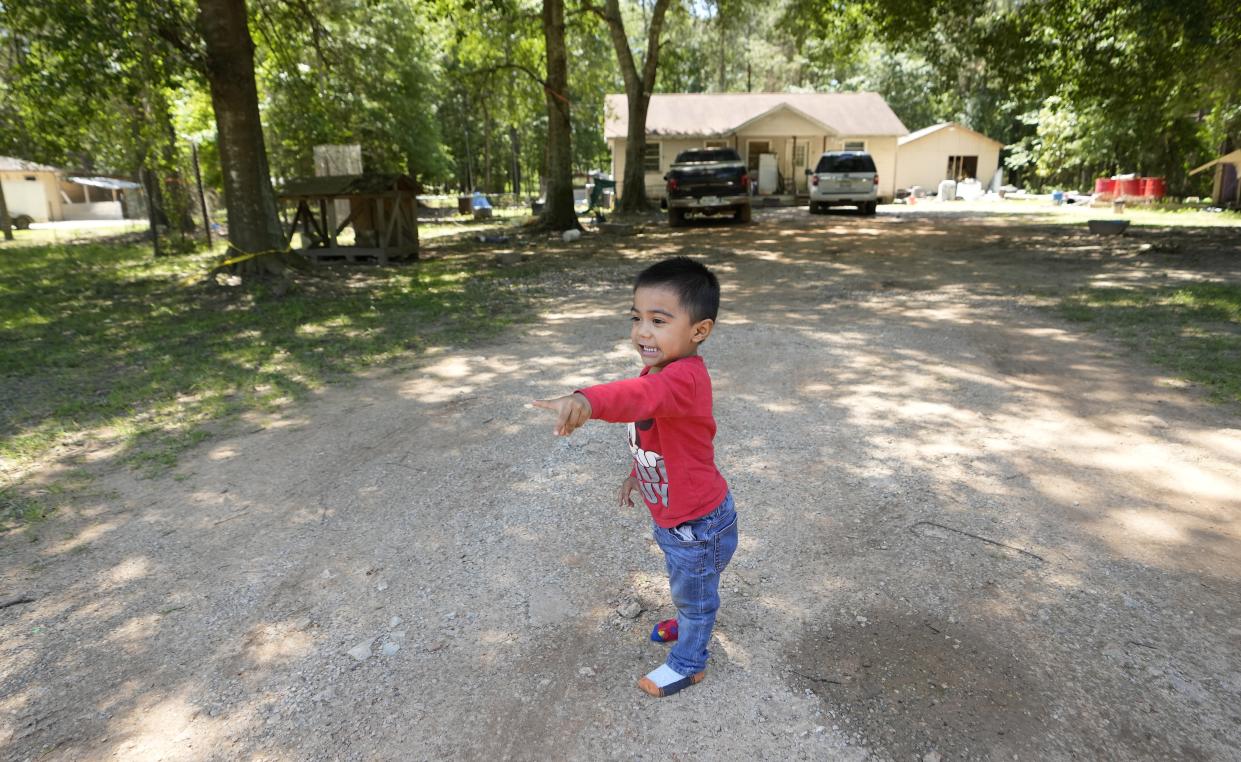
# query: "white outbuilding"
37, 192
946, 151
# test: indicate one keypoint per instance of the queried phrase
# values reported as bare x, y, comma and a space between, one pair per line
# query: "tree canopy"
453, 91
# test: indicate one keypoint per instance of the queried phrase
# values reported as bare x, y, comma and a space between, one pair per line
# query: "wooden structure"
382, 212
1226, 188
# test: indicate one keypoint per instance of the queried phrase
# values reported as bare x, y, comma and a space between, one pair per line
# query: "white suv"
844, 178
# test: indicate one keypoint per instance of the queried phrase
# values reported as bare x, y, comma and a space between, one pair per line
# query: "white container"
948, 190
768, 173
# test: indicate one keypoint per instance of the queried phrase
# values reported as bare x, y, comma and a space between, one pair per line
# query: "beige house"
779, 135
947, 151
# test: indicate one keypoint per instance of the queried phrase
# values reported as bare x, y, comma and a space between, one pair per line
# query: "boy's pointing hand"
572, 410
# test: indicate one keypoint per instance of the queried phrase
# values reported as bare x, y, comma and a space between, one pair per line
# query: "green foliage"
1077, 88
1194, 330
493, 74
435, 89
349, 71
440, 89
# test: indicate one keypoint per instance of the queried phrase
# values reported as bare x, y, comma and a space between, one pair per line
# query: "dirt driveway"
968, 529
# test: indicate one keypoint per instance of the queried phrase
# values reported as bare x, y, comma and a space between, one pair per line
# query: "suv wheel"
676, 217
871, 208
743, 213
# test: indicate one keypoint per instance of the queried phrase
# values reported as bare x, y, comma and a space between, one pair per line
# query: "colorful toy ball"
665, 631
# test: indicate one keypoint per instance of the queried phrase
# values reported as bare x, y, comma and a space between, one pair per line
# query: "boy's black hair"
695, 285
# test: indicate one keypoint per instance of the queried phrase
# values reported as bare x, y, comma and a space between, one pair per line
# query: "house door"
754, 149
800, 155
27, 196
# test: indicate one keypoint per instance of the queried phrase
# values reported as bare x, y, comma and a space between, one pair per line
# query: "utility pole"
512, 135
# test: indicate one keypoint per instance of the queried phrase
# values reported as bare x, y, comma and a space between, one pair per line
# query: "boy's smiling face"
663, 329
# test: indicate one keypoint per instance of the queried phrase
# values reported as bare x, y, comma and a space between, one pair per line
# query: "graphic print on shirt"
649, 465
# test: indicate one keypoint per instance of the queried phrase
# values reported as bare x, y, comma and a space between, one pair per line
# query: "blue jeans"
694, 567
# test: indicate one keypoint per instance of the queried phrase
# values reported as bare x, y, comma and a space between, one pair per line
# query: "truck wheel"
871, 208
814, 208
743, 213
676, 217
22, 221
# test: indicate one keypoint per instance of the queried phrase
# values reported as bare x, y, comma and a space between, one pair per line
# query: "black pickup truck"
708, 181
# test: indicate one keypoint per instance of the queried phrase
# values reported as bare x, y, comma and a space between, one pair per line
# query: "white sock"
664, 676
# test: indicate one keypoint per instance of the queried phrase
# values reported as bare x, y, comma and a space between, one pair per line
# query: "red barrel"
1104, 186
1131, 188
1153, 187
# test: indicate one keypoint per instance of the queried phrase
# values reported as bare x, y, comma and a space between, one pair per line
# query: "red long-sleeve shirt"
671, 430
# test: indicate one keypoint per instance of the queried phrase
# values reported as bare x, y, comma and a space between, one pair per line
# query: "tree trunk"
151, 186
638, 89
253, 225
488, 177
512, 136
559, 213
633, 199
174, 194
6, 224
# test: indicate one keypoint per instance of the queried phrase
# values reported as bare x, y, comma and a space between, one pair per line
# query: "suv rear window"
707, 154
847, 162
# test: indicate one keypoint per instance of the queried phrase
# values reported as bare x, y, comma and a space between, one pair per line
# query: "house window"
962, 167
755, 149
855, 145
31, 179
650, 160
715, 144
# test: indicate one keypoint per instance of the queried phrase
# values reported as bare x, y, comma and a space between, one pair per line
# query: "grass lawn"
102, 341
1193, 330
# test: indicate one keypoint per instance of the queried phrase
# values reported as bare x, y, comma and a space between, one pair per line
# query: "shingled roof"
934, 128
711, 114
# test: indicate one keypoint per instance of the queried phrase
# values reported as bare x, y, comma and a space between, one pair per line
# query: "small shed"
31, 190
946, 151
40, 193
382, 214
1226, 187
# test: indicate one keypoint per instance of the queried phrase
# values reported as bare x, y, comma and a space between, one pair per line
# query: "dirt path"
967, 528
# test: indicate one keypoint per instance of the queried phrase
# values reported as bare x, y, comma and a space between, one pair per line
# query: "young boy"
668, 409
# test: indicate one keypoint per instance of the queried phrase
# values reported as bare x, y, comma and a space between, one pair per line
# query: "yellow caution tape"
242, 257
